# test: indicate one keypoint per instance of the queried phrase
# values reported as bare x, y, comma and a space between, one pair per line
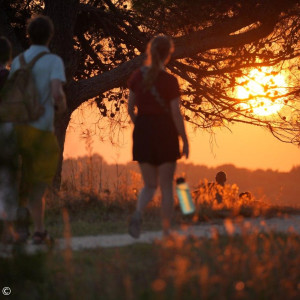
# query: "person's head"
245, 196
5, 50
159, 51
40, 30
221, 178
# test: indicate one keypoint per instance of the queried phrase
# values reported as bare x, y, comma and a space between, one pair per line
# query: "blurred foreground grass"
251, 266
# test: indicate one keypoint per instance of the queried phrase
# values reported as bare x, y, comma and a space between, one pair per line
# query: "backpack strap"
33, 61
22, 60
155, 92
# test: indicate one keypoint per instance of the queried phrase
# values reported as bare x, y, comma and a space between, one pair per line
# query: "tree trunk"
7, 30
63, 15
61, 125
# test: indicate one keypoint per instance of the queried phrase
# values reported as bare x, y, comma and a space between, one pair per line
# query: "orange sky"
247, 146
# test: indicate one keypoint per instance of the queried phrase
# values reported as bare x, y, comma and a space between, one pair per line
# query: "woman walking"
157, 124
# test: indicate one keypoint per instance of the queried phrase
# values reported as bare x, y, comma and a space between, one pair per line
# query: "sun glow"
258, 92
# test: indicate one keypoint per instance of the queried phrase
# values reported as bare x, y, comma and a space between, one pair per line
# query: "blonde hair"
158, 50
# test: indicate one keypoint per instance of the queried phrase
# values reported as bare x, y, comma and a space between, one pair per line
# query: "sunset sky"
247, 146
241, 145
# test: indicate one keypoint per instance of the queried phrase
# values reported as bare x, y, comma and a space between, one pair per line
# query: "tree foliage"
218, 44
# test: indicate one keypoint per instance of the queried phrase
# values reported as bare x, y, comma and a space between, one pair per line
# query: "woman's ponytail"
159, 48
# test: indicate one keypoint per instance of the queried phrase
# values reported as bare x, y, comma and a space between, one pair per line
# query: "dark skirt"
155, 139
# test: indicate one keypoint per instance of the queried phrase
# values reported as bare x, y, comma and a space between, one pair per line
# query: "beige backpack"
19, 95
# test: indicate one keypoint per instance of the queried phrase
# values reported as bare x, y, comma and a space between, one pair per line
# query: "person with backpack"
38, 146
8, 158
220, 183
158, 122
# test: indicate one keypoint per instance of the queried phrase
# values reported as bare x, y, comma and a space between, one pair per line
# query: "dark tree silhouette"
218, 43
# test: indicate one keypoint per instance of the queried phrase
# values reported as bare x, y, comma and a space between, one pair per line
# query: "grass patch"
91, 214
92, 222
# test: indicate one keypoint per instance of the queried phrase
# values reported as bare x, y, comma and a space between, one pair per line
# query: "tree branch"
7, 30
89, 88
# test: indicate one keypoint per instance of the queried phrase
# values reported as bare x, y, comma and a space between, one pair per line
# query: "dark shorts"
155, 140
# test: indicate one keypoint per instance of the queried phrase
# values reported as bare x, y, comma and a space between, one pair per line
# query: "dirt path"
289, 224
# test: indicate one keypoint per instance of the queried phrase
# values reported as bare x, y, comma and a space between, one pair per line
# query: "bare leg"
149, 174
36, 205
166, 176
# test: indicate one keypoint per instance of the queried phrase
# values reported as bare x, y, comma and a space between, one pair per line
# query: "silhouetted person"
37, 142
157, 124
8, 157
245, 196
220, 180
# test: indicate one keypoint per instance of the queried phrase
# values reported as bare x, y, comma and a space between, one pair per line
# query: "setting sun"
258, 87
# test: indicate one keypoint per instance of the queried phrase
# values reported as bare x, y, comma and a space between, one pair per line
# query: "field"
249, 266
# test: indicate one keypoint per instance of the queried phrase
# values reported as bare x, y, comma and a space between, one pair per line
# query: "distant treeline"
95, 173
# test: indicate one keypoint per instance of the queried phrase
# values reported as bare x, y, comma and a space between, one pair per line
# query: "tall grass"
105, 211
99, 199
104, 199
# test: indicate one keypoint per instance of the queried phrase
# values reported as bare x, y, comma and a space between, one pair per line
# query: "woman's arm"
178, 120
131, 106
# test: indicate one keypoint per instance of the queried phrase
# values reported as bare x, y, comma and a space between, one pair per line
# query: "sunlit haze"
246, 146
262, 82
